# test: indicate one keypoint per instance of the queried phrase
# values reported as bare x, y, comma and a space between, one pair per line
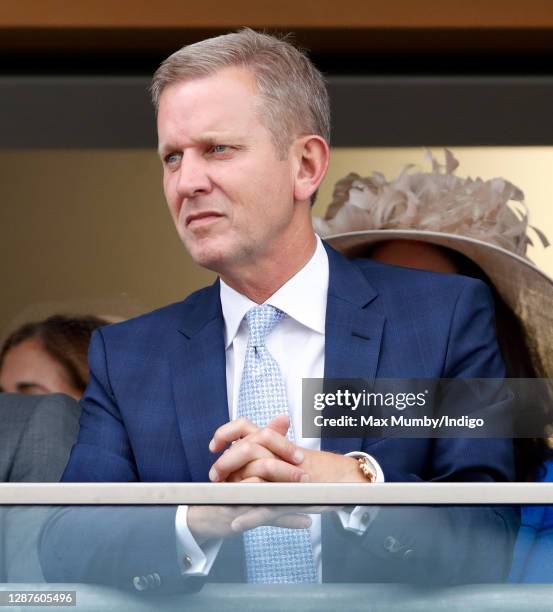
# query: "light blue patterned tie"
273, 554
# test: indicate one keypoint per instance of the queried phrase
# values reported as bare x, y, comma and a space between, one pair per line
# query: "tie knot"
261, 320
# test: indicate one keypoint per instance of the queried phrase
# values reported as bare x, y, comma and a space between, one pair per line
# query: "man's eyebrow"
164, 149
210, 138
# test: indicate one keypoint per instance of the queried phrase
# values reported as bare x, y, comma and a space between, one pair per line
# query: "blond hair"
293, 92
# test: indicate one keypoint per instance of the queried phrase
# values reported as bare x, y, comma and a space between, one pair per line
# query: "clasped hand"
255, 454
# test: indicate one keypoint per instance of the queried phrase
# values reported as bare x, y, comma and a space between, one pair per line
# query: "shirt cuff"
191, 559
361, 517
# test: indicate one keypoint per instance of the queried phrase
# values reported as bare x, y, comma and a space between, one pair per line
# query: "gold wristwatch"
367, 468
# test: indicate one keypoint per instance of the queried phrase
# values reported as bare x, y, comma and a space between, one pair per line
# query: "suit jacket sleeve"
102, 452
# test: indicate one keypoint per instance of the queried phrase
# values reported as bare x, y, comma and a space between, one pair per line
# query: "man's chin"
209, 258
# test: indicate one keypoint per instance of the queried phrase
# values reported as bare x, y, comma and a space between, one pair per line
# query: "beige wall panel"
88, 231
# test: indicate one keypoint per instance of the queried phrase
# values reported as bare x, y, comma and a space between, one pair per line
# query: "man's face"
230, 196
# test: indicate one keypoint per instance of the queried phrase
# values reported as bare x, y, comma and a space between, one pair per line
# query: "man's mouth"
203, 218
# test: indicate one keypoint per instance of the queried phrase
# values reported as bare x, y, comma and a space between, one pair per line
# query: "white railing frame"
275, 493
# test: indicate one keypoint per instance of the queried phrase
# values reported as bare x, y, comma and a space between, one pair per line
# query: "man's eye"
219, 148
171, 158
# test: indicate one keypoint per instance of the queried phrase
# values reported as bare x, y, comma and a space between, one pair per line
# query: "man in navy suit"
243, 126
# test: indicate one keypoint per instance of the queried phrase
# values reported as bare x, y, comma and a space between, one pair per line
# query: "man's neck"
261, 281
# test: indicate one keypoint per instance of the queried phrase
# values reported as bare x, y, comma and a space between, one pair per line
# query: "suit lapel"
353, 332
199, 379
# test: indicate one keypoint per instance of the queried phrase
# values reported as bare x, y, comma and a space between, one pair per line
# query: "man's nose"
193, 178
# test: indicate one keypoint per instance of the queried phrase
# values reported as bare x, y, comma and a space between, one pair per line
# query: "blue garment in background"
533, 555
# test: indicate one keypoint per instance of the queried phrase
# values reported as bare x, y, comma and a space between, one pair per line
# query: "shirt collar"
303, 297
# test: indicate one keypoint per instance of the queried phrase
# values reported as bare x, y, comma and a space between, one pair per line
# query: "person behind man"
48, 356
36, 435
243, 127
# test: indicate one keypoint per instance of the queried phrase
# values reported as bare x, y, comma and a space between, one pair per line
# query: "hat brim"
525, 288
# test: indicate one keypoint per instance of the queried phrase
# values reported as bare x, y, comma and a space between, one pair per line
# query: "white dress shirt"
297, 344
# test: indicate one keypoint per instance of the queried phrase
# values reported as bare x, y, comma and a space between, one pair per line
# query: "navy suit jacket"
157, 389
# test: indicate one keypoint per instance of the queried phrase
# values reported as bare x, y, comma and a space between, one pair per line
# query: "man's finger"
267, 516
280, 424
263, 443
238, 477
293, 521
236, 458
230, 432
272, 469
278, 445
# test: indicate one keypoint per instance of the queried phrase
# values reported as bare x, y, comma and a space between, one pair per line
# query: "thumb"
280, 424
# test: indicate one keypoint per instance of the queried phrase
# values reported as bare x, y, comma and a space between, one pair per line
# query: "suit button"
140, 583
187, 561
408, 554
392, 545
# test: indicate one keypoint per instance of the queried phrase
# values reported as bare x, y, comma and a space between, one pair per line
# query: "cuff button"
391, 544
140, 583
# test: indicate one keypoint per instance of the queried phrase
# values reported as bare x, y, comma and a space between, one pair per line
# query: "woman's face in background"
414, 254
27, 368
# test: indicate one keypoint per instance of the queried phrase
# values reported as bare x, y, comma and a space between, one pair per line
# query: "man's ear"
312, 154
